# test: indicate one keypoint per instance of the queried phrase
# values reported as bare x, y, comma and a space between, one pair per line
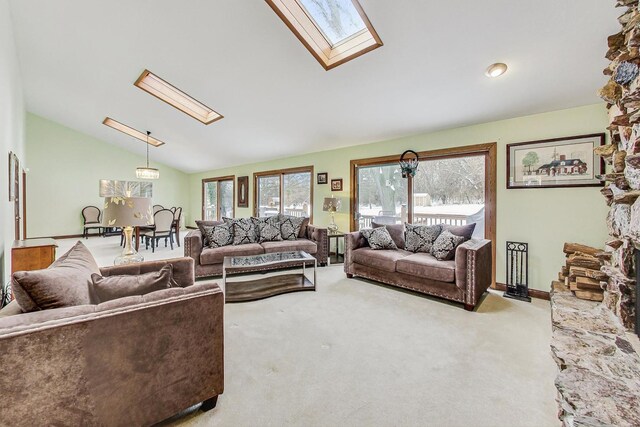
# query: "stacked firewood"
622, 153
581, 273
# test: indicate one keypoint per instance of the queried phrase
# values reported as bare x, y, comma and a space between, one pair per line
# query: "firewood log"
571, 248
587, 272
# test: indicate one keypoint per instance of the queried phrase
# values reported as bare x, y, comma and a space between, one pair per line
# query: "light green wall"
65, 167
11, 131
545, 218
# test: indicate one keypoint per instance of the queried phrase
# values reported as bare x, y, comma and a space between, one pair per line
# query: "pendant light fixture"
147, 172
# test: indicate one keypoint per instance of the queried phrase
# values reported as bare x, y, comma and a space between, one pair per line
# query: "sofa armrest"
319, 236
352, 241
183, 269
474, 266
193, 245
153, 358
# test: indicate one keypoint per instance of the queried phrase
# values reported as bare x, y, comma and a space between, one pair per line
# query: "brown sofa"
463, 279
208, 261
131, 361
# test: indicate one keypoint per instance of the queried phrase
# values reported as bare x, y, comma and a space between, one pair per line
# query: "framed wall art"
323, 178
555, 163
243, 191
14, 169
336, 184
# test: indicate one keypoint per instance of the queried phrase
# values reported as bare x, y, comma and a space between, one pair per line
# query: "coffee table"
264, 287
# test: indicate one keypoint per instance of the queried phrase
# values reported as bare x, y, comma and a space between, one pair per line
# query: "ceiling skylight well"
173, 96
334, 31
131, 132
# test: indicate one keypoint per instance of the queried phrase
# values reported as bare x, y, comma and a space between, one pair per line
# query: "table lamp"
332, 205
127, 212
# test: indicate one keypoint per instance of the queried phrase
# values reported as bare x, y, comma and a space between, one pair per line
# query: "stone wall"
622, 189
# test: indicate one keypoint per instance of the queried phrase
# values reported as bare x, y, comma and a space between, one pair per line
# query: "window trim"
281, 173
295, 16
488, 150
217, 179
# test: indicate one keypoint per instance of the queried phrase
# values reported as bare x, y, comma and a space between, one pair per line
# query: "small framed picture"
553, 163
243, 191
336, 184
323, 178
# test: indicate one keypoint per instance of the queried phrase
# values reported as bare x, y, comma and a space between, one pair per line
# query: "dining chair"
91, 216
157, 208
175, 227
163, 220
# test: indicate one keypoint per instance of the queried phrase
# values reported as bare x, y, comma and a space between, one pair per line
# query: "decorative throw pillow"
64, 284
444, 248
219, 235
465, 231
268, 229
290, 226
420, 238
303, 228
378, 238
395, 230
114, 287
244, 230
202, 226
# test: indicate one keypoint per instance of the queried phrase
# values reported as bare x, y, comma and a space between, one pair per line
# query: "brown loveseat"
208, 261
131, 361
463, 279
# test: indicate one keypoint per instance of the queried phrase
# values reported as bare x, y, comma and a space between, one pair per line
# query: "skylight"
334, 31
131, 131
336, 19
173, 96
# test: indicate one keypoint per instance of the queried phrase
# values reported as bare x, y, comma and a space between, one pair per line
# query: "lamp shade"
127, 212
331, 204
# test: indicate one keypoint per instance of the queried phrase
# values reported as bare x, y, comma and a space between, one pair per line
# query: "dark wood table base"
252, 290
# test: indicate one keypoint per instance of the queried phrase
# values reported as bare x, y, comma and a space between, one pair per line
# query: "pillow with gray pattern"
290, 226
444, 248
420, 238
268, 229
244, 230
219, 235
378, 238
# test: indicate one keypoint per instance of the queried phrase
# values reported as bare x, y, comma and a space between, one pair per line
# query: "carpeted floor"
355, 353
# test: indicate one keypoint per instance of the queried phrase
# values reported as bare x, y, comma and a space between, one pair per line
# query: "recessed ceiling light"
496, 69
173, 96
131, 132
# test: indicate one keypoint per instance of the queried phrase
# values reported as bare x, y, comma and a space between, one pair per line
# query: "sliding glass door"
287, 191
218, 198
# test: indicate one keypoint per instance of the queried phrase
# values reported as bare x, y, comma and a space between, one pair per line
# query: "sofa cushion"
395, 230
216, 255
202, 226
420, 238
244, 230
383, 259
113, 287
65, 283
444, 248
290, 245
219, 235
465, 231
268, 229
378, 238
290, 226
426, 265
303, 228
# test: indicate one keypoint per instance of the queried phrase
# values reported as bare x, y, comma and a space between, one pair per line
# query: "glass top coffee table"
264, 287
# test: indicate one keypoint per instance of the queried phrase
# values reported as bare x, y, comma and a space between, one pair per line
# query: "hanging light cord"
148, 133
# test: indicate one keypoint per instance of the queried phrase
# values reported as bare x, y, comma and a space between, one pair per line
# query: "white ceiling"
79, 59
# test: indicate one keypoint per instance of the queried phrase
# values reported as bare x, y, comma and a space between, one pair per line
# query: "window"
288, 191
173, 96
334, 31
453, 186
218, 198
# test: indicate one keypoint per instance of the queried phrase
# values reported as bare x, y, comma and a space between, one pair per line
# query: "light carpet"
355, 353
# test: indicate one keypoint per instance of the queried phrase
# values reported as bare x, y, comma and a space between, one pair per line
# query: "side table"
339, 257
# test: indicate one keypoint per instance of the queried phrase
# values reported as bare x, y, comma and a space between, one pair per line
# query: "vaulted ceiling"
80, 58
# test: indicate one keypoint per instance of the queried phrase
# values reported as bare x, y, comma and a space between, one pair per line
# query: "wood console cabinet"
32, 254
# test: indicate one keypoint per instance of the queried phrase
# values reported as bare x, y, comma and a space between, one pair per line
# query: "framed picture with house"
554, 163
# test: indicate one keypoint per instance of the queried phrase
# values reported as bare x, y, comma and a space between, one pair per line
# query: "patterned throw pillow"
420, 238
219, 235
444, 248
268, 229
378, 238
290, 226
244, 230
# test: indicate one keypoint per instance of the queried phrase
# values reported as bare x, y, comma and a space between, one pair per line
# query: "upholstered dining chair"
91, 216
157, 208
163, 220
175, 227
